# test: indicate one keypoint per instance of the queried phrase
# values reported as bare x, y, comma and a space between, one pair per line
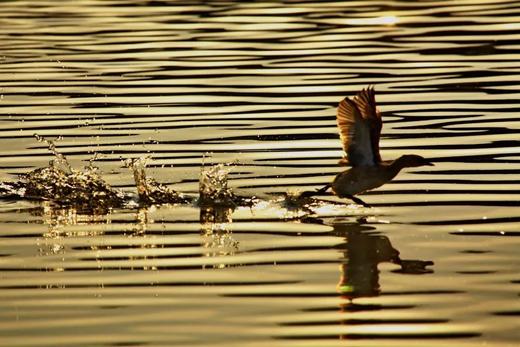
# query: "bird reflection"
363, 251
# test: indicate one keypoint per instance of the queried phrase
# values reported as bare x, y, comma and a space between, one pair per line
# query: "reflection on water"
256, 84
363, 251
216, 234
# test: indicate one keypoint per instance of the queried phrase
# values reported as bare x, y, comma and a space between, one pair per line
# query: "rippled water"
433, 263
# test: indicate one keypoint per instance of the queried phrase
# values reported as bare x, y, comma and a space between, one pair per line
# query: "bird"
359, 123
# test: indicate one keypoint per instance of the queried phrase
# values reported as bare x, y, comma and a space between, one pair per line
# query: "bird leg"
308, 194
323, 189
357, 200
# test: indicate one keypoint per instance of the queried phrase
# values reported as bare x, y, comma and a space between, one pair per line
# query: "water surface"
433, 263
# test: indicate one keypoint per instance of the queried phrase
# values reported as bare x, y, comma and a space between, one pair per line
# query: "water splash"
12, 190
65, 186
85, 191
59, 160
296, 200
149, 191
213, 186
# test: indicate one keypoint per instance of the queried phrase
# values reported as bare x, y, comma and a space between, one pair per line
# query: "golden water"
186, 83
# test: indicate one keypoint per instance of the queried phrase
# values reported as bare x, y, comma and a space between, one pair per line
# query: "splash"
213, 186
83, 190
296, 200
66, 186
12, 190
214, 189
149, 191
59, 161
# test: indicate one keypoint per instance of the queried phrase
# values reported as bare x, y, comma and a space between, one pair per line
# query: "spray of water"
213, 186
59, 161
149, 191
66, 186
85, 191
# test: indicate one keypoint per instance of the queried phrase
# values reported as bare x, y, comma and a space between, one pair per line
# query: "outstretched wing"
360, 124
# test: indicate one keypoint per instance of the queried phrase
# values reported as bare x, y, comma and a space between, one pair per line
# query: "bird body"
360, 123
360, 179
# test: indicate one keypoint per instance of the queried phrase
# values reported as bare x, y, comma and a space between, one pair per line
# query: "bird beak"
429, 163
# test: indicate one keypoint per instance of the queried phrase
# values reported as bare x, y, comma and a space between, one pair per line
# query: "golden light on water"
255, 86
386, 20
382, 20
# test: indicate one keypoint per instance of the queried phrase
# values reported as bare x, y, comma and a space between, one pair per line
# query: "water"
254, 85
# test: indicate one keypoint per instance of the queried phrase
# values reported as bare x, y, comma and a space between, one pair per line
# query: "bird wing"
360, 124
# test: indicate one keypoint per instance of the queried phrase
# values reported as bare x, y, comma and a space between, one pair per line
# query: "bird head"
412, 160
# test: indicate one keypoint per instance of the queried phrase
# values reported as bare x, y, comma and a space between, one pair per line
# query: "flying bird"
359, 123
